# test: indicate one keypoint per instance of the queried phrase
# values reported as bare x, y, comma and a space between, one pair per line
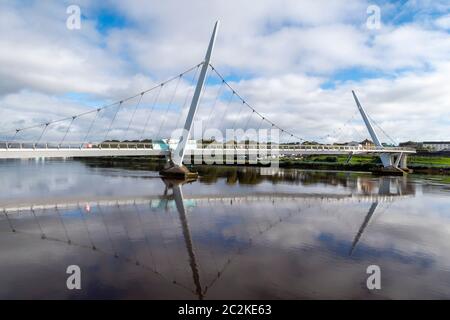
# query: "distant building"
410, 144
353, 144
385, 144
436, 145
367, 143
310, 143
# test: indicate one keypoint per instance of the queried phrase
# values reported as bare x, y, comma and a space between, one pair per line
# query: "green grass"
338, 159
429, 161
419, 162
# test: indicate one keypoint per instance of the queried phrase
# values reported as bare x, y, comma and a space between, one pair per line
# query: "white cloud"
284, 51
444, 22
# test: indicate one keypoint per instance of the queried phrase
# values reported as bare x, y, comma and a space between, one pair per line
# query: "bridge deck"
26, 151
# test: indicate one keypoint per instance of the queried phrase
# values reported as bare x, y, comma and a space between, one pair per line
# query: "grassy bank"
419, 163
359, 163
429, 161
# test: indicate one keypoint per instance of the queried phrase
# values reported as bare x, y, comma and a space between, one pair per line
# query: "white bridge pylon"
178, 155
388, 160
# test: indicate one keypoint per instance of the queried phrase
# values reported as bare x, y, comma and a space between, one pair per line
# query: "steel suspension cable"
15, 134
113, 119
53, 121
105, 106
260, 124
108, 233
42, 133
213, 106
361, 135
168, 106
291, 140
384, 132
67, 131
240, 110
237, 119
283, 132
43, 236
155, 101
82, 246
257, 130
249, 119
227, 106
9, 221
91, 125
249, 106
63, 224
188, 92
133, 114
339, 129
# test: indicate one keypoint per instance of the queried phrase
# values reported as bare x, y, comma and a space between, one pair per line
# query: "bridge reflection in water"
135, 232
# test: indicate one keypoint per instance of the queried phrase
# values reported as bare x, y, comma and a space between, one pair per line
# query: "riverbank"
419, 164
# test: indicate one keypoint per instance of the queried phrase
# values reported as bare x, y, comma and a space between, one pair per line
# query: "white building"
436, 145
353, 144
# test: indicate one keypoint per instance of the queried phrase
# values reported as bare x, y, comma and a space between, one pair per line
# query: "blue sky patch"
108, 19
354, 74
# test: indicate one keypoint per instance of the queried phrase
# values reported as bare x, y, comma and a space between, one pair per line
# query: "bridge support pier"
404, 164
401, 162
174, 171
397, 165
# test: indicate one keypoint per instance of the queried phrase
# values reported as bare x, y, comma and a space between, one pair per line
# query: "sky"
294, 61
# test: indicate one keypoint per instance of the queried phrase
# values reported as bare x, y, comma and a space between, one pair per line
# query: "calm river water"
235, 233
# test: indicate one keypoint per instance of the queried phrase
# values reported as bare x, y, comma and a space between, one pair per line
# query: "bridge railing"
293, 147
75, 145
125, 145
340, 147
148, 145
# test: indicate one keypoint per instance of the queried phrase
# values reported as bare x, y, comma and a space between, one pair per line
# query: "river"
235, 233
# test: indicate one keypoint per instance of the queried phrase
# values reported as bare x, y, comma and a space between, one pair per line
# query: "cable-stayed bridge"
133, 126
